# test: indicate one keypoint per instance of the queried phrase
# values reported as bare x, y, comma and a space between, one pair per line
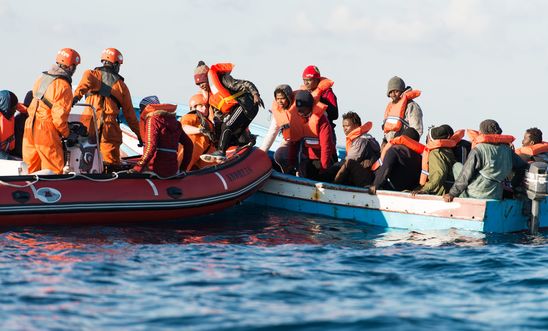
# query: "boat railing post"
535, 182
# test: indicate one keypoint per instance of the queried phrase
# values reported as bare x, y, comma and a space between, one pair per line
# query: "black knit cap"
441, 132
411, 133
303, 99
490, 127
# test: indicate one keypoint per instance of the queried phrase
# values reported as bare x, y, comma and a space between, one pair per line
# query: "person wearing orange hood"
163, 134
200, 130
106, 90
48, 115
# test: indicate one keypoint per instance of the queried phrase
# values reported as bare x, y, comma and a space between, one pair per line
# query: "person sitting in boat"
437, 161
321, 89
401, 163
48, 116
163, 134
199, 129
490, 162
235, 102
402, 111
533, 148
106, 90
362, 150
315, 149
8, 106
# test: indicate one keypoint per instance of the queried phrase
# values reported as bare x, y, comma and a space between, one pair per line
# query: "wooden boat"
401, 210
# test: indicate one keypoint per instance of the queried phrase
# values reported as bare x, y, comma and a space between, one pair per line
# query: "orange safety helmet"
68, 57
112, 55
197, 99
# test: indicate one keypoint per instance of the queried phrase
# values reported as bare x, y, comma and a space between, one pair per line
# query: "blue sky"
472, 59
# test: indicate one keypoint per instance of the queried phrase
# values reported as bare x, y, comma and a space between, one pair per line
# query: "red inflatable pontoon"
123, 198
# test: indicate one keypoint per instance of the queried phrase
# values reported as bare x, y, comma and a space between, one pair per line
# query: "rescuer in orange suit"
106, 91
48, 114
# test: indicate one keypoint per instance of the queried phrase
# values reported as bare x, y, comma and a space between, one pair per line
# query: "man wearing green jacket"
488, 164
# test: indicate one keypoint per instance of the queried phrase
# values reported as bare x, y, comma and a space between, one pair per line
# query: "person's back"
163, 134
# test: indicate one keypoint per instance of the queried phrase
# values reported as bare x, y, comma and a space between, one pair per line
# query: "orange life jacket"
323, 85
480, 138
356, 133
413, 145
533, 150
7, 133
295, 127
285, 118
220, 97
395, 112
150, 109
435, 144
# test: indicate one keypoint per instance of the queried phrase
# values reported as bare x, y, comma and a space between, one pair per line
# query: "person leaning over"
402, 111
490, 162
437, 161
533, 148
163, 134
48, 114
401, 166
362, 150
106, 90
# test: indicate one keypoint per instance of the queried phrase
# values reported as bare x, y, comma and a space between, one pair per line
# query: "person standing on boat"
533, 148
402, 111
437, 161
401, 166
106, 90
235, 103
362, 150
321, 89
48, 112
200, 130
313, 153
490, 162
163, 134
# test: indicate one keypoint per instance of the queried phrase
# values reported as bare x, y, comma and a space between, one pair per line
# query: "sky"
471, 59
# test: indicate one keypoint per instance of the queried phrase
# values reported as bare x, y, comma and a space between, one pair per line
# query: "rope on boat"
114, 177
36, 179
73, 175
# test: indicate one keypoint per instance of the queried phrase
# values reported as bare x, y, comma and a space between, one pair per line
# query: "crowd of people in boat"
487, 166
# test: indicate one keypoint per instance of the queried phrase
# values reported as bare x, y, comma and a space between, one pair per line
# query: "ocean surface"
264, 269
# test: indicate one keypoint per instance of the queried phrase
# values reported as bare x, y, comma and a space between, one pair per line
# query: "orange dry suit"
435, 144
202, 144
47, 121
395, 112
107, 92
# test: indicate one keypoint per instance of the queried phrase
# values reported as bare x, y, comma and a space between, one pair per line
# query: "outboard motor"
537, 190
83, 157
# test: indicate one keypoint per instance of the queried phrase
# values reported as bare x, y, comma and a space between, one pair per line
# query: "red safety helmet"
68, 57
112, 55
197, 99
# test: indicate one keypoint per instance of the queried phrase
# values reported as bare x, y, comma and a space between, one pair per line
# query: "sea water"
250, 268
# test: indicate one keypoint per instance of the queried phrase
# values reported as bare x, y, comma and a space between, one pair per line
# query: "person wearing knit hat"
487, 166
321, 86
401, 112
231, 123
439, 167
200, 76
104, 88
